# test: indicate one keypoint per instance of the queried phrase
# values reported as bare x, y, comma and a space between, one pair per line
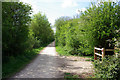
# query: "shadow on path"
50, 65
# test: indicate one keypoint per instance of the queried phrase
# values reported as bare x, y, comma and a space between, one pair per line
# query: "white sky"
57, 8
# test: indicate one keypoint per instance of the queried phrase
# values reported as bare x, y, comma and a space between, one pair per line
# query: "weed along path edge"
48, 64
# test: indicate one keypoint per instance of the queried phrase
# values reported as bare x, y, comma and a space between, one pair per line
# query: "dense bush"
109, 68
66, 35
15, 30
41, 29
97, 26
102, 24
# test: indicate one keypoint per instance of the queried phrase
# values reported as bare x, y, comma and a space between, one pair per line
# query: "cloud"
69, 3
78, 11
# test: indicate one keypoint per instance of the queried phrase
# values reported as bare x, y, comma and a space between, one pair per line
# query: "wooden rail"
102, 52
98, 54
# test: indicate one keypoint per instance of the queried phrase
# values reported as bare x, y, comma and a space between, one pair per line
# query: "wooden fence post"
95, 57
103, 53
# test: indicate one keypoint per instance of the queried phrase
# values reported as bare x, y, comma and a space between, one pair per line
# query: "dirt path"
50, 65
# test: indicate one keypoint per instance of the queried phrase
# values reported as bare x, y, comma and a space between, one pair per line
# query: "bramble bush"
109, 68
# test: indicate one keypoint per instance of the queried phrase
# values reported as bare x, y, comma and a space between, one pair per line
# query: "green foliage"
97, 26
61, 51
58, 24
70, 36
19, 35
41, 29
109, 68
15, 30
15, 64
69, 76
103, 21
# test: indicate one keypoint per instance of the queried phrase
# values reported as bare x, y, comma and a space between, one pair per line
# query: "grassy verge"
17, 63
62, 52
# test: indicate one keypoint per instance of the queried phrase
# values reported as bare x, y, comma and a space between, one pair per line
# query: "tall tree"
15, 20
41, 29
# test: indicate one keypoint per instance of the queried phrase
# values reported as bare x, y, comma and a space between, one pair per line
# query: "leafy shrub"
101, 23
97, 26
109, 68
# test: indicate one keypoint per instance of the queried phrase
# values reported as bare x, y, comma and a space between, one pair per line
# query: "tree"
15, 30
41, 29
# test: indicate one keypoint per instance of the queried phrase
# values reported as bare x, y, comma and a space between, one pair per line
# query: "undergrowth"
17, 63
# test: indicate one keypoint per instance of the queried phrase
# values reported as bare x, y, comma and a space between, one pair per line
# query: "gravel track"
48, 64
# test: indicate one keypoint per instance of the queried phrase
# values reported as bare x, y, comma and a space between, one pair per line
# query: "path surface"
48, 64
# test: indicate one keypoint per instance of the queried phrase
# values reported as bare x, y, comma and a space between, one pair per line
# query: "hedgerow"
97, 26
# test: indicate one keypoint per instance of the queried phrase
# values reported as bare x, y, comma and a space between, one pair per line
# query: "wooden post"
103, 53
95, 57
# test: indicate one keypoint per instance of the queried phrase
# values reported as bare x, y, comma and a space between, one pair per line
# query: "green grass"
17, 63
69, 76
62, 52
